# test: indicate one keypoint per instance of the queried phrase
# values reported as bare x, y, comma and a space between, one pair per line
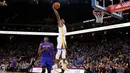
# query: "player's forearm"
57, 14
55, 11
42, 50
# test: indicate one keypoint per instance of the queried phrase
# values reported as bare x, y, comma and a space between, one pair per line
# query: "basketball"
56, 5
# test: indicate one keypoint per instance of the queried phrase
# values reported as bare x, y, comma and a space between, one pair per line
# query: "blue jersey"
13, 63
48, 53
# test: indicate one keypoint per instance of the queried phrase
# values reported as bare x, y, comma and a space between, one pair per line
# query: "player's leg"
64, 49
13, 69
64, 65
43, 63
62, 70
63, 55
49, 65
43, 69
58, 52
58, 55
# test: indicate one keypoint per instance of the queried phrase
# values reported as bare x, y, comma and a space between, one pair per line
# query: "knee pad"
58, 54
63, 53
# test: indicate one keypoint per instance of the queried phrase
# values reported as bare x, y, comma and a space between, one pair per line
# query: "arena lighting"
28, 33
99, 28
69, 33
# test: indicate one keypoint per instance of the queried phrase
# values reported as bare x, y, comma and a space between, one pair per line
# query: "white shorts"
59, 42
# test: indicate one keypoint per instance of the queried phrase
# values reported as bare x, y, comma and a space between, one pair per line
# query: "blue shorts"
46, 62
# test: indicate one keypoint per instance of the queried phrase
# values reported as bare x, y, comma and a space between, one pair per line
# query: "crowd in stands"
23, 53
101, 57
106, 56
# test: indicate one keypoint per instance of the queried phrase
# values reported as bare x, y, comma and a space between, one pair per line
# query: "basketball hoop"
98, 15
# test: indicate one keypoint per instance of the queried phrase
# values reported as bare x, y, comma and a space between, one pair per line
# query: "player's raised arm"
57, 15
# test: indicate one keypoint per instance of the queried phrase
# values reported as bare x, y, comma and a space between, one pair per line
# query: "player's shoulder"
61, 25
51, 43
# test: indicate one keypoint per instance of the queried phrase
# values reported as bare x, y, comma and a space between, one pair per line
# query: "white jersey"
61, 39
62, 30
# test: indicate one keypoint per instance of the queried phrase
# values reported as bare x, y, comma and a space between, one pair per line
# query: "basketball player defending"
46, 51
61, 40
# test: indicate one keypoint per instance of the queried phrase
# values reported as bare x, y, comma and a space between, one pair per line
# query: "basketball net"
98, 15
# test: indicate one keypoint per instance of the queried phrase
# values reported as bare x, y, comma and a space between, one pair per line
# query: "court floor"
14, 72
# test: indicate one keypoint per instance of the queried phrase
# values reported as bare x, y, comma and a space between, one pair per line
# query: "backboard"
102, 5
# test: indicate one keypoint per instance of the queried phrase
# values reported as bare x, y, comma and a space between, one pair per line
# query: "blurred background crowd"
97, 52
101, 57
105, 56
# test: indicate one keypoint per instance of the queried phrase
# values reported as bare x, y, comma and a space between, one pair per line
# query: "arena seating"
95, 56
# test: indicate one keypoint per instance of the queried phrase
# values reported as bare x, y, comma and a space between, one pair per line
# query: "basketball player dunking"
61, 39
